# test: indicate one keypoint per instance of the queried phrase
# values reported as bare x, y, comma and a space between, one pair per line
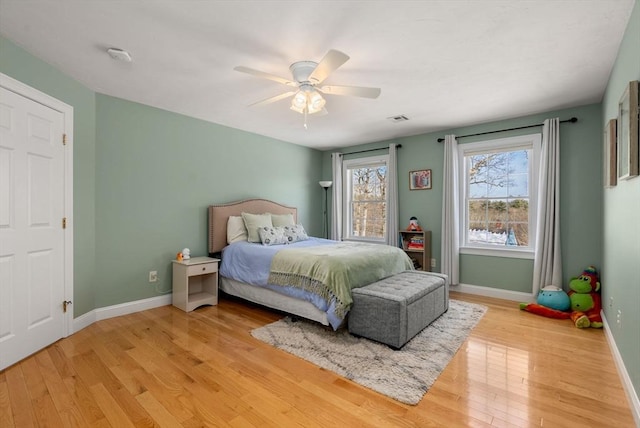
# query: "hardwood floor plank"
157, 411
165, 367
6, 416
85, 402
20, 403
66, 406
114, 413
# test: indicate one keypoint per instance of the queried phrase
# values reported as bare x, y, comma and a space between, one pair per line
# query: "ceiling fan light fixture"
309, 102
299, 102
316, 102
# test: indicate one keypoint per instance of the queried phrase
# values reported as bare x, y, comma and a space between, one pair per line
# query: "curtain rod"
572, 120
370, 150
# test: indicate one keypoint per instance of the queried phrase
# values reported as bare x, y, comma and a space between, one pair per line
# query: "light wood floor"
166, 368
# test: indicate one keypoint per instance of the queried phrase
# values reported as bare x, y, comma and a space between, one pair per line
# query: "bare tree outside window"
368, 201
498, 198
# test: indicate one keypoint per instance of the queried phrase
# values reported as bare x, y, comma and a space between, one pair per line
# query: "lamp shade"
325, 184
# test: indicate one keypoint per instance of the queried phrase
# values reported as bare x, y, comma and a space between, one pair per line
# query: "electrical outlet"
153, 276
433, 263
611, 302
619, 318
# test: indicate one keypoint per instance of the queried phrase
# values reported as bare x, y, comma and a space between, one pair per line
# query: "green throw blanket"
331, 271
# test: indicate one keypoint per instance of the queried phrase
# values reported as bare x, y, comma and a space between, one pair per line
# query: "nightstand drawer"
202, 269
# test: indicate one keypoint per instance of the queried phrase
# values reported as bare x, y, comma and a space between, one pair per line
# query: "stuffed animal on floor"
552, 302
586, 302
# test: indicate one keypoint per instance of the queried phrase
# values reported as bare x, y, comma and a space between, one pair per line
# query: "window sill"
498, 252
369, 240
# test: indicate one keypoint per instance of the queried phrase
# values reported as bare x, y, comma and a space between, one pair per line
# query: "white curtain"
450, 249
547, 267
392, 197
336, 208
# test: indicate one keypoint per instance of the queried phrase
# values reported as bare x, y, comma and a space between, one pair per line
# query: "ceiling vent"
398, 118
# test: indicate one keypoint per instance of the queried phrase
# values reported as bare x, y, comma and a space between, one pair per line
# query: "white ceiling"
444, 64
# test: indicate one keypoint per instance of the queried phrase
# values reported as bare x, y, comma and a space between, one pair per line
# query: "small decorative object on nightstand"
195, 282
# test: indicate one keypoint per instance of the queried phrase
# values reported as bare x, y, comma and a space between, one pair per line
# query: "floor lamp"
325, 185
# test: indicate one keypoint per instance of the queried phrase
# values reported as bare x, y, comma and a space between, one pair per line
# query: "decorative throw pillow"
255, 221
295, 233
282, 220
272, 235
236, 230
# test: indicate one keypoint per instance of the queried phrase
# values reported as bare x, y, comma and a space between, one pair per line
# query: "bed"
311, 278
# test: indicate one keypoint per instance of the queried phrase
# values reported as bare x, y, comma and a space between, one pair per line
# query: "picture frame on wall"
627, 128
420, 180
610, 170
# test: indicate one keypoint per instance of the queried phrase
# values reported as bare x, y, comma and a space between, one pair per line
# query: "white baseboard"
516, 296
632, 394
117, 310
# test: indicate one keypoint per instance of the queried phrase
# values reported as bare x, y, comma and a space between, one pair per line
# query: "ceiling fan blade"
273, 99
355, 91
331, 61
264, 75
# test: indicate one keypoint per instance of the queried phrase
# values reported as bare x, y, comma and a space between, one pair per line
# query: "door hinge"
65, 304
64, 222
64, 139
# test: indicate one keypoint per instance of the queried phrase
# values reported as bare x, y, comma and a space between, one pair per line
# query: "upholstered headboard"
219, 215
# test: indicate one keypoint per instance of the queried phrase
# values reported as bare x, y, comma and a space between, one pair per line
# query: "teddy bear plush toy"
586, 302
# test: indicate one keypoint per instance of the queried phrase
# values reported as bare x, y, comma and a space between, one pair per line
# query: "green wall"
143, 179
581, 217
621, 235
156, 173
20, 65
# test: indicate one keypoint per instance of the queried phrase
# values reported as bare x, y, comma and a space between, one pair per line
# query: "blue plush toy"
554, 298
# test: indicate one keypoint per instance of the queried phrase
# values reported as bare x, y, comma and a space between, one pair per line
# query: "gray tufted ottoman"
395, 309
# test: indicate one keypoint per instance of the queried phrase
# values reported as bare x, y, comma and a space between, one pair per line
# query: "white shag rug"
404, 375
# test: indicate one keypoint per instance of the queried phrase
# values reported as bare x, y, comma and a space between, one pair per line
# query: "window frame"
347, 218
531, 142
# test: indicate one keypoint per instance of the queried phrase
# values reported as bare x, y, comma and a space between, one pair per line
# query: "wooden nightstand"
195, 283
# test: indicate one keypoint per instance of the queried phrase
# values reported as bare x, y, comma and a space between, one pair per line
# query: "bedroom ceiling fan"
307, 79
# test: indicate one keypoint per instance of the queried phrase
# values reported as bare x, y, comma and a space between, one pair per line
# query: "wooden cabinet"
418, 246
195, 283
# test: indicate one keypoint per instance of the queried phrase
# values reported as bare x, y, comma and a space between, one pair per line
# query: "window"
499, 179
365, 198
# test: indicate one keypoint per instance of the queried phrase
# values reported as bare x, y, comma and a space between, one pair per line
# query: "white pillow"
295, 233
282, 220
272, 235
255, 221
236, 231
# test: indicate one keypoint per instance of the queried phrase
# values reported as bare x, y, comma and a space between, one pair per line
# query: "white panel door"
31, 235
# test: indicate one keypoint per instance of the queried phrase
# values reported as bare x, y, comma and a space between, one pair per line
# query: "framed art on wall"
609, 169
628, 132
420, 180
